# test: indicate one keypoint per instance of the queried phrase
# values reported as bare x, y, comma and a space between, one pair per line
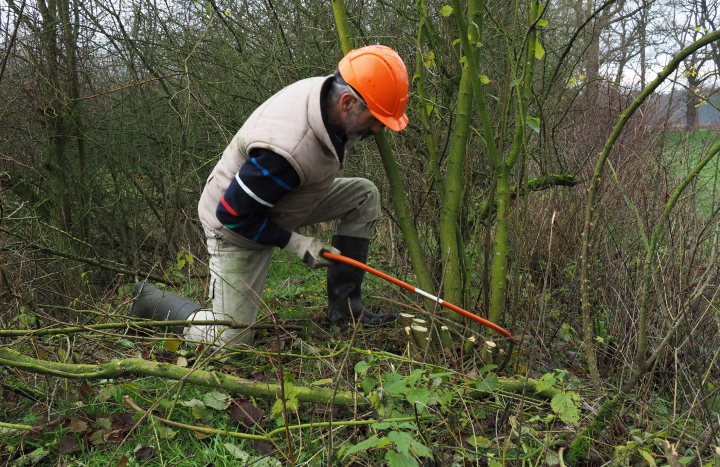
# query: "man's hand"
310, 250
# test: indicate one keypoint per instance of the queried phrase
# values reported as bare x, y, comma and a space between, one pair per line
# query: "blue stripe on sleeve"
262, 227
268, 174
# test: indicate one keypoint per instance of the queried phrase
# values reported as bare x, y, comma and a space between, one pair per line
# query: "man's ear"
347, 102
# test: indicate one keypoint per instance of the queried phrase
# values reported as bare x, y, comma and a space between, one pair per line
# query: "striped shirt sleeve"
261, 182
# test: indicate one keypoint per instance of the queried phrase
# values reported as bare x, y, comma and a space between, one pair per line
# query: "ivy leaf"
455, 41
103, 423
165, 432
463, 59
494, 463
565, 404
542, 22
548, 379
201, 414
371, 442
489, 383
534, 124
215, 400
397, 459
539, 50
484, 79
446, 10
237, 453
478, 442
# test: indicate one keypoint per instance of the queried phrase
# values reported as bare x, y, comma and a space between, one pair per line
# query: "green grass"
295, 291
683, 151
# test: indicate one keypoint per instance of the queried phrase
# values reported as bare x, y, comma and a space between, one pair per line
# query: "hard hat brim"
395, 124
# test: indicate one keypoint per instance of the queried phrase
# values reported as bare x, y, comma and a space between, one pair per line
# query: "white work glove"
310, 250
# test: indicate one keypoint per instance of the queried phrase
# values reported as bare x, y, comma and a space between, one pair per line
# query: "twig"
281, 381
201, 429
337, 381
88, 261
133, 85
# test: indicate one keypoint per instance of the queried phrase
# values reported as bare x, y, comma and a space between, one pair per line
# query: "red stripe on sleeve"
227, 206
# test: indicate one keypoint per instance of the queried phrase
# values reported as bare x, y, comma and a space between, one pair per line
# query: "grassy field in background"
682, 151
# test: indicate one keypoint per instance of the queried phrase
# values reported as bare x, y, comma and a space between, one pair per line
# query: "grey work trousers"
237, 275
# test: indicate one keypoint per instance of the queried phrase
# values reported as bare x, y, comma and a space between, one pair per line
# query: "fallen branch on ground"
232, 384
140, 324
140, 367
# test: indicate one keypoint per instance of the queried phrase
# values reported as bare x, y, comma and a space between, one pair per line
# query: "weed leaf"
566, 406
489, 383
237, 452
396, 384
371, 442
421, 396
103, 423
368, 384
398, 459
547, 381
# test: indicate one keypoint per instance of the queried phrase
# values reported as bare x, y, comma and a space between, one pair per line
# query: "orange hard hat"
378, 74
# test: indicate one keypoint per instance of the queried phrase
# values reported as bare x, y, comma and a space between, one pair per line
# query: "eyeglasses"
357, 96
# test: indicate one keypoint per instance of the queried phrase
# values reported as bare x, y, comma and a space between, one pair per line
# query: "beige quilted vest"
290, 124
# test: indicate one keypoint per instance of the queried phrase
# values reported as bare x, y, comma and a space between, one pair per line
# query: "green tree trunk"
397, 192
501, 166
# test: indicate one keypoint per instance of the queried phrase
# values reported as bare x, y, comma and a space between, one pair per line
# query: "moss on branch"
140, 367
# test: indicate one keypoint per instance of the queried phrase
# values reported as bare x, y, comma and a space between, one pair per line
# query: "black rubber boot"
149, 302
344, 282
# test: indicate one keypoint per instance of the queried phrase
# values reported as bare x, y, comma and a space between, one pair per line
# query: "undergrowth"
449, 409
